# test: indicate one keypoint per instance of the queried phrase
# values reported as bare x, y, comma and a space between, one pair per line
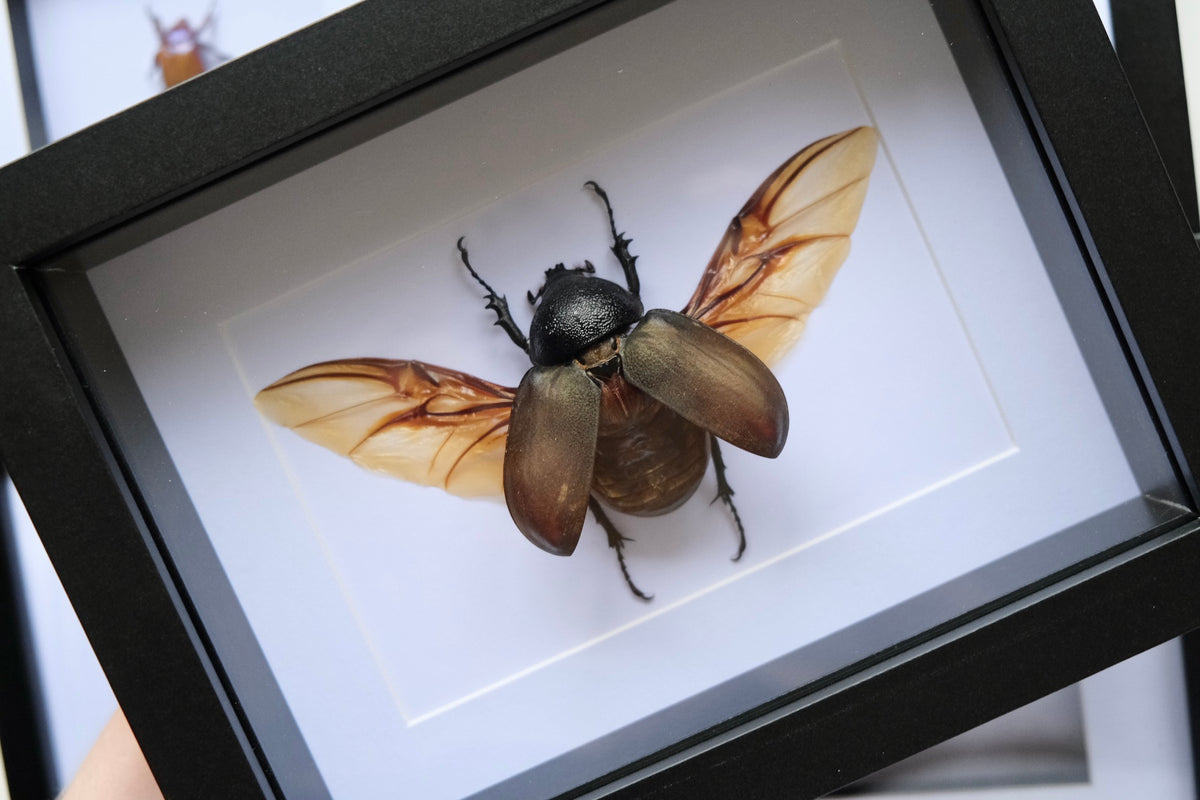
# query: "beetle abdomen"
649, 460
178, 67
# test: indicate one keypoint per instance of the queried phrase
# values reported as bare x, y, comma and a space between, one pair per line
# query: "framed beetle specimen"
81, 64
618, 405
990, 438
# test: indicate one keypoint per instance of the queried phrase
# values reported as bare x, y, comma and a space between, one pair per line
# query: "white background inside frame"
407, 627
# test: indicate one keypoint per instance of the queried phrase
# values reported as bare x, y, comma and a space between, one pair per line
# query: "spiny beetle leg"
617, 542
620, 246
725, 494
496, 303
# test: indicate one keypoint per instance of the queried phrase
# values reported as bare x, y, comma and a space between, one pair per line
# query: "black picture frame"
65, 439
1147, 39
31, 98
28, 767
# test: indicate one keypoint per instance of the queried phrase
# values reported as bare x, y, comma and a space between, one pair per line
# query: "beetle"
620, 407
181, 54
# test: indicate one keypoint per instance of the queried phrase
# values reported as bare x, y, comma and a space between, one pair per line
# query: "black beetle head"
559, 270
575, 312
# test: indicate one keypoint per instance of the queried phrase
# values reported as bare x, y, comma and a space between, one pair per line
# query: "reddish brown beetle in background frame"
181, 53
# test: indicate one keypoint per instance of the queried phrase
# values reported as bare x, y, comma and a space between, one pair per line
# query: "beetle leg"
617, 542
621, 242
496, 303
725, 494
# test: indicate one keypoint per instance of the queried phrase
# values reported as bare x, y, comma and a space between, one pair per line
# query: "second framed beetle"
622, 407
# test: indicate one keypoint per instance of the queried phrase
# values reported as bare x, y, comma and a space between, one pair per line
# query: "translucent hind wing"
425, 424
781, 252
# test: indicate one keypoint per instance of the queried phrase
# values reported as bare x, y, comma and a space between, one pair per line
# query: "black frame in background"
55, 435
25, 736
31, 97
24, 731
1147, 39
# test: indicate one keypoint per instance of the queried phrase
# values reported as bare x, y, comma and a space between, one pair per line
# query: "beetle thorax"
602, 357
575, 313
180, 39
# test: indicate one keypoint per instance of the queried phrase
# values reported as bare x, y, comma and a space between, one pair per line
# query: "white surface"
868, 382
78, 701
94, 59
14, 142
937, 395
1187, 14
1104, 10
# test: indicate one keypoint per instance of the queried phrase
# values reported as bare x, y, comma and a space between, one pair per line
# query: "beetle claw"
725, 495
617, 542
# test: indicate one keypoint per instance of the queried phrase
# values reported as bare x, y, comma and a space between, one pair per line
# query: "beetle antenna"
725, 494
495, 302
158, 28
620, 245
208, 19
617, 542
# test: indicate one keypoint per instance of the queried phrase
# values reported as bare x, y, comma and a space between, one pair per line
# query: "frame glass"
928, 528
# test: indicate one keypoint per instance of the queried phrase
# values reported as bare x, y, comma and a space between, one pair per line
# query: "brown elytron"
633, 417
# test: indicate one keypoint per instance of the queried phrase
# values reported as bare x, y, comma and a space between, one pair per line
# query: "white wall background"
13, 143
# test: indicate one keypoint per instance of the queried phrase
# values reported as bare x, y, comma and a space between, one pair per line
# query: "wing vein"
780, 253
